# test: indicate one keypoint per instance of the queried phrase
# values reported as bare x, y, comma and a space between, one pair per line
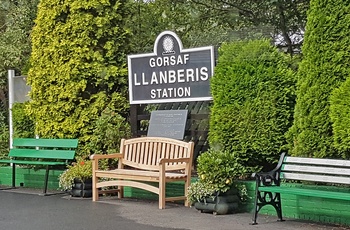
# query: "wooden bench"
324, 171
147, 159
48, 152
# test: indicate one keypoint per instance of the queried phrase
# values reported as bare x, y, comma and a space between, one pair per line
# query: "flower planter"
82, 188
220, 204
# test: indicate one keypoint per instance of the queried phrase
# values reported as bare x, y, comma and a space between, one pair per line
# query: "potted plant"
77, 179
216, 189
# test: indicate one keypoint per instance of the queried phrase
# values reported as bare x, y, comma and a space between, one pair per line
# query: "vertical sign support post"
11, 75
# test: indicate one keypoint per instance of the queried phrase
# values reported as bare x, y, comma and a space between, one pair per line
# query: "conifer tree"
324, 67
78, 65
253, 100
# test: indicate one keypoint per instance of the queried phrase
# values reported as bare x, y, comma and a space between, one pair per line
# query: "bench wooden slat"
33, 162
315, 178
140, 173
316, 169
49, 143
317, 161
43, 153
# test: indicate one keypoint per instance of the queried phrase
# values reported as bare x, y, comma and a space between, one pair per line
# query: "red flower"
82, 163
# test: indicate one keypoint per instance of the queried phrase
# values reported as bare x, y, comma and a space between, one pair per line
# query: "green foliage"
109, 129
150, 18
23, 126
326, 64
340, 115
16, 21
78, 66
281, 20
219, 168
4, 139
80, 170
253, 101
4, 131
217, 171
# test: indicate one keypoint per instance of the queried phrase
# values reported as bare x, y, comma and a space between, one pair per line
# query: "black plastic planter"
82, 188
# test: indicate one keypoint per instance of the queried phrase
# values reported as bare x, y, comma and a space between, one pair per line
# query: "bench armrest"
270, 178
105, 156
267, 178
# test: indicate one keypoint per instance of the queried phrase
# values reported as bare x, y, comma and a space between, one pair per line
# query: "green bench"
47, 152
325, 171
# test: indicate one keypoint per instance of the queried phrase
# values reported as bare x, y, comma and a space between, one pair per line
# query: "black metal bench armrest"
269, 178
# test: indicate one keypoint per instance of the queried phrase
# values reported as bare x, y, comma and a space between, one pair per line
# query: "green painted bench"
325, 171
48, 152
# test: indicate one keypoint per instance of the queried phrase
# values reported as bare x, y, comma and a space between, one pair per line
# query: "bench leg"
162, 191
187, 184
13, 175
267, 198
46, 179
120, 192
278, 207
94, 188
256, 206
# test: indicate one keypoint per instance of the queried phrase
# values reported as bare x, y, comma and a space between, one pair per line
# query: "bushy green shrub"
23, 126
326, 64
218, 171
80, 170
78, 66
253, 101
4, 140
109, 129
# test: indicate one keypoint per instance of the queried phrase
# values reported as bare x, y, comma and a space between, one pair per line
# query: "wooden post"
133, 120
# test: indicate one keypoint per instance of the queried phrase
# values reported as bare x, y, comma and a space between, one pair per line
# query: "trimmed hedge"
253, 101
78, 66
324, 67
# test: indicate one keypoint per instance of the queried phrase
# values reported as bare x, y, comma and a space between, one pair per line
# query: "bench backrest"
316, 169
146, 152
63, 149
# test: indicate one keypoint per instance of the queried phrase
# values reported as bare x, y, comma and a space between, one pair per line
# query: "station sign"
170, 73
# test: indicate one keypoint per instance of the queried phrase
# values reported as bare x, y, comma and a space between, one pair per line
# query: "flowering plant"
217, 171
81, 170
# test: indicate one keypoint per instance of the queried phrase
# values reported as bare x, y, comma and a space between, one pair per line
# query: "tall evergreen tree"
340, 98
253, 101
78, 65
324, 67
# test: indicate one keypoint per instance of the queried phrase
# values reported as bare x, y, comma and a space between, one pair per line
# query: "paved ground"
23, 209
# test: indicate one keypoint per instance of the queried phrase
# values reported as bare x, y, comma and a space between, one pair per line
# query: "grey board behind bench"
168, 123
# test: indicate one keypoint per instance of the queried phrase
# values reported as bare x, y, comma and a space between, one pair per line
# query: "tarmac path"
26, 210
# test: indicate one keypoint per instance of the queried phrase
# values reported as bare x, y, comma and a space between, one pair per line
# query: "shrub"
217, 171
80, 170
78, 66
253, 101
23, 126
